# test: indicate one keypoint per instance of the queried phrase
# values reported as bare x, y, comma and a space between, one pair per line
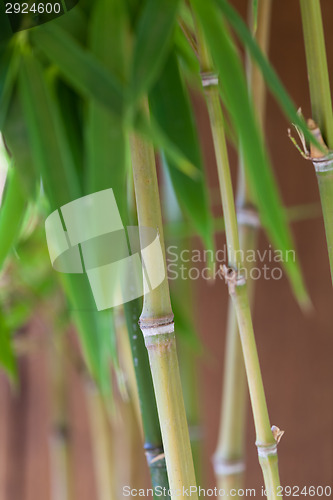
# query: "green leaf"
12, 212
9, 60
105, 134
52, 155
254, 15
170, 106
7, 356
79, 67
51, 151
272, 80
237, 100
153, 40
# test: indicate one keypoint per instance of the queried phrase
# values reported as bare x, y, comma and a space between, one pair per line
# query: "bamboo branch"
266, 444
229, 461
156, 323
322, 112
316, 61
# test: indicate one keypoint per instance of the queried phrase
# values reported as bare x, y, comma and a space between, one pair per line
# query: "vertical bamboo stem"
156, 323
104, 462
228, 460
321, 104
61, 471
316, 61
151, 428
265, 441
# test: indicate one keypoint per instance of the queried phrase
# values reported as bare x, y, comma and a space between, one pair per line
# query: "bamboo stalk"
265, 441
156, 323
153, 445
102, 443
228, 460
61, 469
321, 104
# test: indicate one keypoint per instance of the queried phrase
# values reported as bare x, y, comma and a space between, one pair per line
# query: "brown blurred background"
295, 351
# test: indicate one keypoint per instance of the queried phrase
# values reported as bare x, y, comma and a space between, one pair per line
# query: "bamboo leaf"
237, 100
254, 15
105, 135
272, 80
9, 60
154, 32
79, 67
7, 356
12, 212
52, 155
170, 106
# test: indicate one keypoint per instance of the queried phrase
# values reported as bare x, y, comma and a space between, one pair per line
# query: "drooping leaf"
272, 80
170, 106
237, 101
105, 134
9, 60
7, 356
12, 212
79, 67
153, 39
254, 15
52, 156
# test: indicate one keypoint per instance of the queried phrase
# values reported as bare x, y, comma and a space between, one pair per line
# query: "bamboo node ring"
227, 467
233, 278
266, 450
209, 79
159, 326
248, 217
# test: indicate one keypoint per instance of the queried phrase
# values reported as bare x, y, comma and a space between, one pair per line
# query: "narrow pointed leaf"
7, 356
170, 106
52, 157
79, 67
12, 212
237, 100
272, 80
153, 39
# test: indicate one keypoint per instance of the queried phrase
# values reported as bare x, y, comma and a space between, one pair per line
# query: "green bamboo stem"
321, 104
156, 323
151, 428
238, 292
153, 445
237, 286
103, 454
61, 469
229, 461
188, 365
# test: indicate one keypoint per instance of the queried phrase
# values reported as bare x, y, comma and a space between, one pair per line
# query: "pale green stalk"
321, 104
156, 323
238, 292
61, 469
229, 460
102, 439
265, 441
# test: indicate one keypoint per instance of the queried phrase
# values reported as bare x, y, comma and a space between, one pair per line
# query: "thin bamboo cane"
61, 470
228, 460
266, 444
153, 445
102, 443
321, 104
156, 323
